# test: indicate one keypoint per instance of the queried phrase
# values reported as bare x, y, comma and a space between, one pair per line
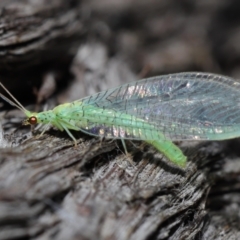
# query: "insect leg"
44, 130
124, 146
69, 134
128, 155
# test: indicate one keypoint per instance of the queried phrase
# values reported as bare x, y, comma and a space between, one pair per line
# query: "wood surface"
50, 189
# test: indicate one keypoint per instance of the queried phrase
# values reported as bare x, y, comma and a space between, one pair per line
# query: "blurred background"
102, 44
172, 36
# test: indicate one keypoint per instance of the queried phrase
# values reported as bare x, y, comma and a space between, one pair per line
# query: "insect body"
182, 106
107, 123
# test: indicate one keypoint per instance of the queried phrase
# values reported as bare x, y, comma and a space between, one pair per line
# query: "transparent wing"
181, 106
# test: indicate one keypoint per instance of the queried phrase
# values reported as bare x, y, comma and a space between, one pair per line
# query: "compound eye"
32, 120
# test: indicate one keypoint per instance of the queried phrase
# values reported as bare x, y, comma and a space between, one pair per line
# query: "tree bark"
50, 189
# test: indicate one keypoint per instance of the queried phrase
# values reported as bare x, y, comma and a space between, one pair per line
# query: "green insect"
157, 110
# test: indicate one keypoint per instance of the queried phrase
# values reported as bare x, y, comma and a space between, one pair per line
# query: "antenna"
16, 103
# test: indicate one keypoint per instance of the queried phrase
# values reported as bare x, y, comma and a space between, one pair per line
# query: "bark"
37, 37
30, 31
50, 189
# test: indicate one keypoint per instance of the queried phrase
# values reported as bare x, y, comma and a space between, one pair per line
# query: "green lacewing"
158, 110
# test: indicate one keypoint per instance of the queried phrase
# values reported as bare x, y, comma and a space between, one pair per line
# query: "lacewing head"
32, 118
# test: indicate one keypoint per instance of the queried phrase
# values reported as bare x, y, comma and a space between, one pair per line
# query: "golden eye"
32, 120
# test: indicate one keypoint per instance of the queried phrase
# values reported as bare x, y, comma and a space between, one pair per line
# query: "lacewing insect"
158, 110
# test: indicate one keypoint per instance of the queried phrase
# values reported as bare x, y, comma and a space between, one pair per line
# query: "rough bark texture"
51, 190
